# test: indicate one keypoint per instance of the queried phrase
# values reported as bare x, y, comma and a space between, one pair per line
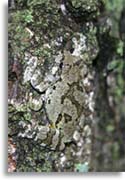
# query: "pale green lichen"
82, 167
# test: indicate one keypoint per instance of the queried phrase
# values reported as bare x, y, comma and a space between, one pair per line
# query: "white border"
3, 118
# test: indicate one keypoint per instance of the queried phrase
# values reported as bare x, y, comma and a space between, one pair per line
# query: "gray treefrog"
65, 99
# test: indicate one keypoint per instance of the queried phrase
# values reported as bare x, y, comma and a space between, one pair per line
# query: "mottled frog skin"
65, 103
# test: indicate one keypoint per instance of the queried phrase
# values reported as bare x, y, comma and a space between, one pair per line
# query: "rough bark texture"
58, 54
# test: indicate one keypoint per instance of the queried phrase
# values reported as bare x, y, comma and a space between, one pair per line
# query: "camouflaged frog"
65, 92
65, 99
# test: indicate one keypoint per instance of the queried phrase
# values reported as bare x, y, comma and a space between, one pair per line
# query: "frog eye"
54, 87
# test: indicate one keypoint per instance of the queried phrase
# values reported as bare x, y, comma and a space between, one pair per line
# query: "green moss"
85, 4
85, 9
35, 159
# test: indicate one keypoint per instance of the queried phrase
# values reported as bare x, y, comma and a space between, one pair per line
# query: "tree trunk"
57, 84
